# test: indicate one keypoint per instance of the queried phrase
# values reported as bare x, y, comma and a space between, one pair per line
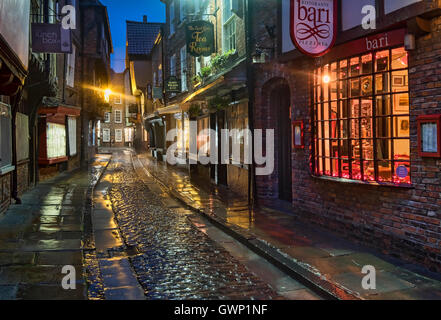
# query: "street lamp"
107, 94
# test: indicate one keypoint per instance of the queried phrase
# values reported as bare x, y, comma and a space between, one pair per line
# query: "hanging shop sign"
173, 85
313, 26
51, 38
200, 38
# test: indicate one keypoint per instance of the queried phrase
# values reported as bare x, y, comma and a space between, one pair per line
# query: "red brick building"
358, 169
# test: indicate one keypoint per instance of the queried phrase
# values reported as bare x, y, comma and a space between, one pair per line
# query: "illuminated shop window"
361, 118
56, 140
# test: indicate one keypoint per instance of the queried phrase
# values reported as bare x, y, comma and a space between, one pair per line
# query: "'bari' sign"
314, 25
200, 38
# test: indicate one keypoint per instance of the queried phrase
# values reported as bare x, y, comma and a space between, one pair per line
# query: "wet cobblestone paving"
172, 258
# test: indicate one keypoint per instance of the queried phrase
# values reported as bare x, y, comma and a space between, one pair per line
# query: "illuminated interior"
361, 118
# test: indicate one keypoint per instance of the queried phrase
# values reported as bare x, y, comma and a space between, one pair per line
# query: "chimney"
144, 19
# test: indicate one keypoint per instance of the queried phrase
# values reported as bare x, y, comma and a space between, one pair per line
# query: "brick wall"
5, 192
23, 177
402, 222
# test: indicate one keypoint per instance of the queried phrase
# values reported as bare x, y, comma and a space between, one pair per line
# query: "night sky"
122, 10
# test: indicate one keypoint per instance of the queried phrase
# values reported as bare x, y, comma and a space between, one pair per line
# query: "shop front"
14, 62
58, 139
357, 129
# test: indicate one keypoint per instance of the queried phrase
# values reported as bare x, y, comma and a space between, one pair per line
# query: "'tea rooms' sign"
313, 25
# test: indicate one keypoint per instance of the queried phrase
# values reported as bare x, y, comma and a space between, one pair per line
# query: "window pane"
369, 170
368, 149
354, 108
355, 88
384, 147
393, 5
366, 128
399, 81
366, 64
384, 127
355, 67
384, 171
343, 69
401, 127
399, 58
366, 86
383, 106
382, 83
343, 89
382, 61
355, 128
401, 103
351, 12
401, 149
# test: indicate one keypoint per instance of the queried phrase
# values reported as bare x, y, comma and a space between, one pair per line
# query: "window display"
361, 118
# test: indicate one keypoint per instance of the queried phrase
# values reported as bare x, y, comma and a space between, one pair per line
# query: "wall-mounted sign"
313, 25
372, 43
200, 38
297, 135
173, 85
51, 38
429, 136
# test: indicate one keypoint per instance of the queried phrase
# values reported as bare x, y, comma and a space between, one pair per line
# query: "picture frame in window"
401, 103
398, 81
429, 136
298, 141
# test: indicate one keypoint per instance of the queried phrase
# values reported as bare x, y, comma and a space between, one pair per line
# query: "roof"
141, 37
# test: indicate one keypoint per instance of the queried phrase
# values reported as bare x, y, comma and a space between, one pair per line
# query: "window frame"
121, 134
318, 139
230, 39
120, 116
108, 135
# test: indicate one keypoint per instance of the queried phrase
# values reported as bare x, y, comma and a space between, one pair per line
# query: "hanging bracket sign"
200, 38
173, 85
314, 25
51, 38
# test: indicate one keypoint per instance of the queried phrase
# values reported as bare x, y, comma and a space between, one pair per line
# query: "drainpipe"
250, 85
17, 100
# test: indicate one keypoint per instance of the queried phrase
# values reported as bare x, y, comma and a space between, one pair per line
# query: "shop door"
213, 166
281, 104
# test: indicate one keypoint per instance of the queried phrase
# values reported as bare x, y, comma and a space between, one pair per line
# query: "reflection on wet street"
174, 259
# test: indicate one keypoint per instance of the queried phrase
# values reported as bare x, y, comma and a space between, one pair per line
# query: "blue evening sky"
122, 10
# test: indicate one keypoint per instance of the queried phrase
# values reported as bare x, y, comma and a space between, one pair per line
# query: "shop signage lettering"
51, 38
375, 42
173, 85
200, 38
314, 25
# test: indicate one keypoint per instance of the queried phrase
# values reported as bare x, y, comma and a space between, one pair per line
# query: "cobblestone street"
168, 247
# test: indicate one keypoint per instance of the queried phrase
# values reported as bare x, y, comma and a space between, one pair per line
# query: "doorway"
280, 103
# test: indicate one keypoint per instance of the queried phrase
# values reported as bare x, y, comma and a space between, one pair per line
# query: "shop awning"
175, 108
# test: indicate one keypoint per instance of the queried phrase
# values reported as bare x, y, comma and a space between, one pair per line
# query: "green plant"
205, 72
194, 111
218, 103
196, 79
220, 61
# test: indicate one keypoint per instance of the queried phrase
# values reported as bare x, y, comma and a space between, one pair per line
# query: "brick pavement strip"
175, 260
44, 234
